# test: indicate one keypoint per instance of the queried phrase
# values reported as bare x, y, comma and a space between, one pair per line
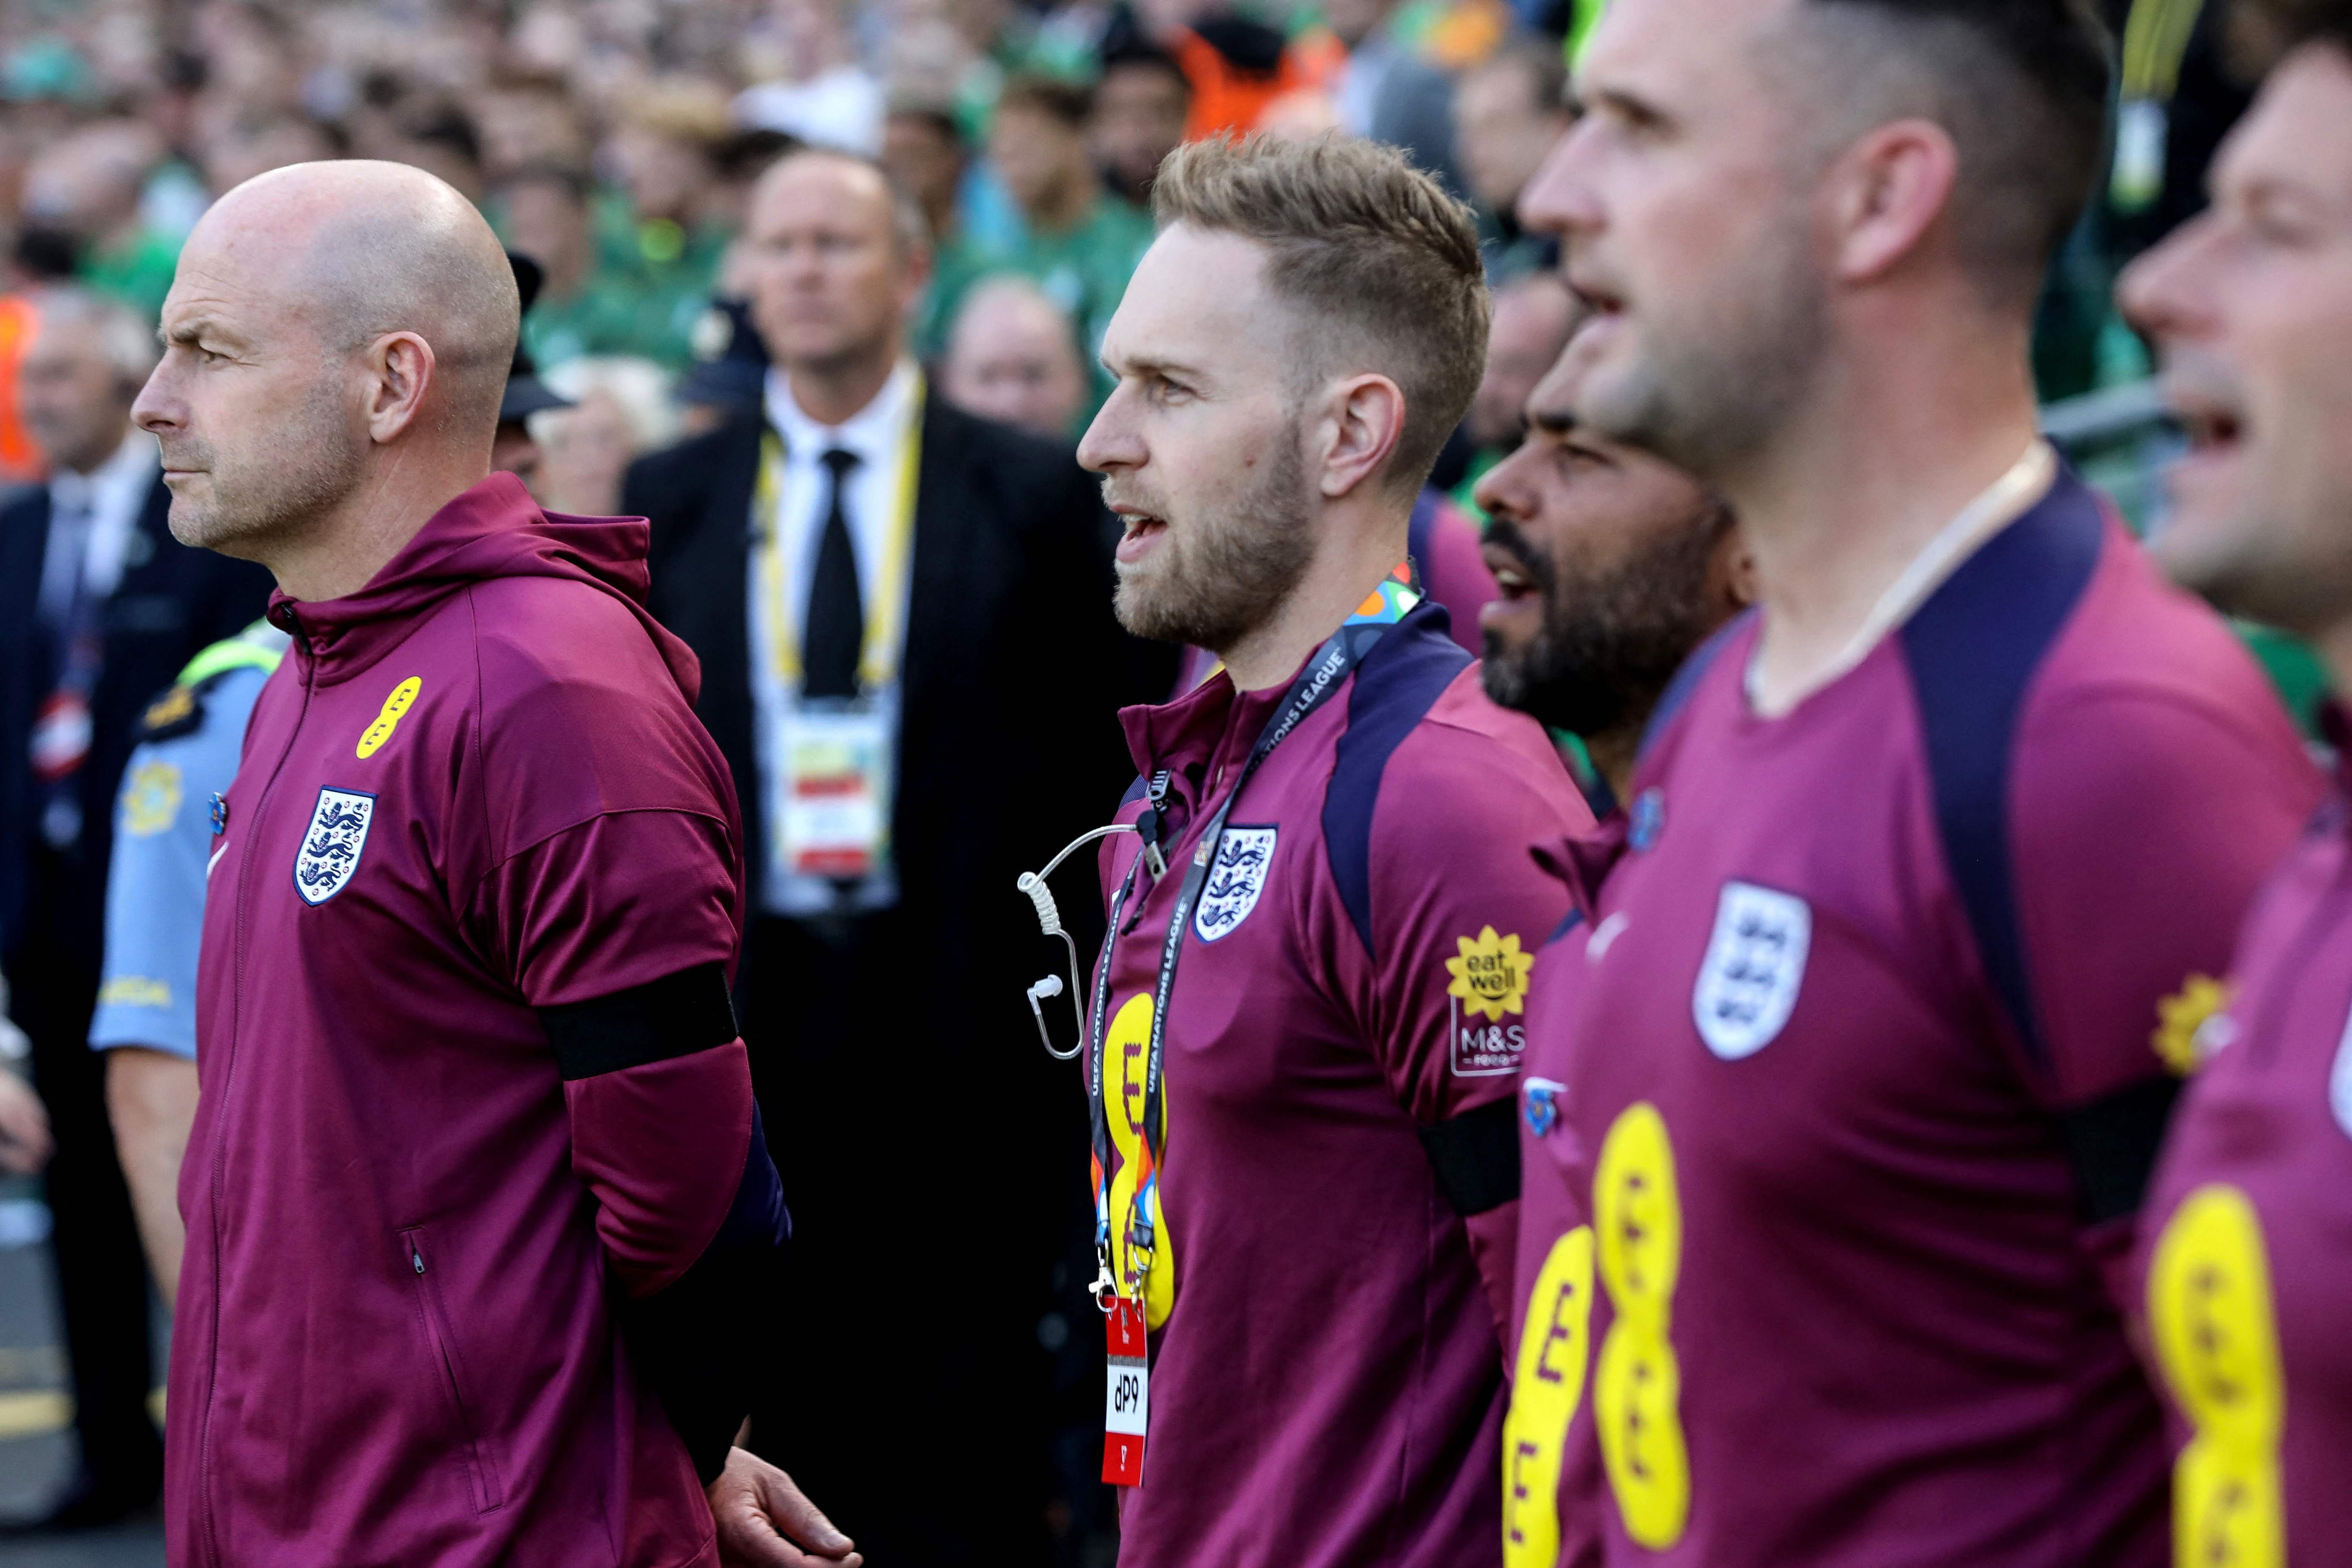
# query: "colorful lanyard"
1326, 673
878, 663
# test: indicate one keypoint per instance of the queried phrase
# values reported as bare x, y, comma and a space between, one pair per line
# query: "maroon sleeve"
2143, 825
1459, 909
602, 907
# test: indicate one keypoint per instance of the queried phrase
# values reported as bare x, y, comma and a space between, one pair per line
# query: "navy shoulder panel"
1973, 648
1395, 686
1678, 691
1420, 530
1135, 792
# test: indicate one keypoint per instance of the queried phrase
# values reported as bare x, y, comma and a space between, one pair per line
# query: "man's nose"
1560, 199
2163, 292
156, 408
1110, 442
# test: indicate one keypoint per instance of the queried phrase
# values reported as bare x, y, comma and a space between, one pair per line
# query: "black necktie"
836, 609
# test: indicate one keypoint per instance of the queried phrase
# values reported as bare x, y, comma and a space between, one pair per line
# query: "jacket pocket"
455, 1390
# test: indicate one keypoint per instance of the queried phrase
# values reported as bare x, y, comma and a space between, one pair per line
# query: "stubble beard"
1612, 638
1214, 580
272, 490
1714, 388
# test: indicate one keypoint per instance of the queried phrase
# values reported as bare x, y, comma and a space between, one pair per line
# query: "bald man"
476, 1197
1013, 358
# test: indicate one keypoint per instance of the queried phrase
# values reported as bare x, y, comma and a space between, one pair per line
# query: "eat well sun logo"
1489, 981
1490, 977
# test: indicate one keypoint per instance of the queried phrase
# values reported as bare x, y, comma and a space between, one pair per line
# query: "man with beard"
2247, 1273
1304, 1157
1863, 1069
476, 1199
1614, 567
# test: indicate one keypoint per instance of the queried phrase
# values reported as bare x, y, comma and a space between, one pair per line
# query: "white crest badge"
2340, 1081
1244, 855
1755, 964
331, 848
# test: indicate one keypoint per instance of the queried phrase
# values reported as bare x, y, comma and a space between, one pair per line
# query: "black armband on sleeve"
2112, 1143
676, 1015
1477, 1156
693, 1340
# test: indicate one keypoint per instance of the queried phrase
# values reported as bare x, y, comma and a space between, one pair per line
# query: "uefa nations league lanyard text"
1325, 674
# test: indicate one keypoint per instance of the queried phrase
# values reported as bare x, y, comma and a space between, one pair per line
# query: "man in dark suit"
100, 609
910, 659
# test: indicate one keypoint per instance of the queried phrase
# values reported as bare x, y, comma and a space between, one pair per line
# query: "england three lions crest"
1236, 878
330, 847
1755, 964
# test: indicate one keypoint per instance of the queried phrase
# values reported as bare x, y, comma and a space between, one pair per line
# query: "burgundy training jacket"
471, 1092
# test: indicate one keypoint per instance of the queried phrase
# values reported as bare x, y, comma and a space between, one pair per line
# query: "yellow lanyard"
2156, 37
886, 598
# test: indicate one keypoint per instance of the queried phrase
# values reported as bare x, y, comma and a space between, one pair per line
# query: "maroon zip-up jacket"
466, 1104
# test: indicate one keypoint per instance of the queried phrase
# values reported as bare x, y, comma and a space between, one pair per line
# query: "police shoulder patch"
1754, 967
331, 847
1236, 878
179, 712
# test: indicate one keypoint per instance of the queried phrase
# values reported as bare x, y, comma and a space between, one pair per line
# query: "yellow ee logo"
403, 695
151, 798
2208, 1299
1126, 1052
1490, 977
1637, 1214
1548, 1382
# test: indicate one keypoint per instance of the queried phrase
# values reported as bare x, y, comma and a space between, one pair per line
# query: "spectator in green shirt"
1082, 242
86, 188
587, 307
923, 153
667, 228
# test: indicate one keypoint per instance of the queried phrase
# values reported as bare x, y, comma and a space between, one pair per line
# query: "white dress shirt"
93, 518
877, 434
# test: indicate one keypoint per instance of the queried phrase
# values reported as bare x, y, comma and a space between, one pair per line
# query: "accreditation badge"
836, 790
1127, 1400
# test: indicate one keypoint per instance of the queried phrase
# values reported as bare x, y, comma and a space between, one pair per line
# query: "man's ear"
1363, 417
400, 373
1885, 193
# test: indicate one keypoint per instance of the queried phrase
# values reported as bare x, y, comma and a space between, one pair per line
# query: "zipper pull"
418, 1259
1147, 825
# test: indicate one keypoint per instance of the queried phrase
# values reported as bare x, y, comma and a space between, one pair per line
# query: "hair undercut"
2263, 31
2020, 87
1379, 266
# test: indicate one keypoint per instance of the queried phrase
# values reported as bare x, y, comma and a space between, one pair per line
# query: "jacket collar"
491, 531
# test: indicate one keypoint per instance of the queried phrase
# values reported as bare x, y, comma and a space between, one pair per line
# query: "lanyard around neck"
886, 598
1325, 674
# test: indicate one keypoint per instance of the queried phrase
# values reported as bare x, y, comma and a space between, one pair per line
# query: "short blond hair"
1383, 263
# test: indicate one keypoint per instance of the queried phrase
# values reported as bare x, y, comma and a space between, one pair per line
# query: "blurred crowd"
613, 141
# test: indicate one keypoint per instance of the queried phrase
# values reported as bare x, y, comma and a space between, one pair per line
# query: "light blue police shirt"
162, 840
